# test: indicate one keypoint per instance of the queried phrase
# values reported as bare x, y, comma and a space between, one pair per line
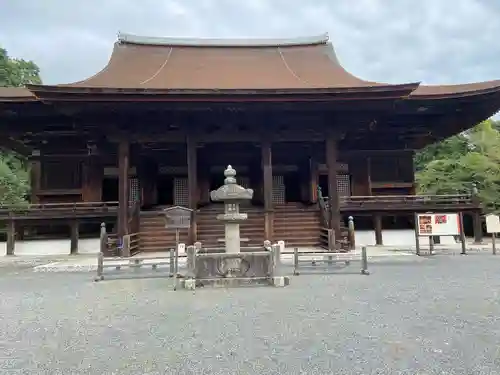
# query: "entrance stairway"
152, 234
296, 224
300, 225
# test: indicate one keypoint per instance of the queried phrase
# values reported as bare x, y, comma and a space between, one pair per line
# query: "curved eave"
66, 93
456, 91
16, 95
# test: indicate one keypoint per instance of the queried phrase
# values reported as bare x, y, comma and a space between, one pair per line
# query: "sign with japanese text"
438, 224
177, 217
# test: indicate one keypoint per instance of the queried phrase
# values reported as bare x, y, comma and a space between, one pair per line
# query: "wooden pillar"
20, 232
313, 178
309, 179
267, 176
478, 227
35, 175
368, 175
192, 184
11, 237
74, 237
204, 181
377, 223
93, 174
123, 187
256, 178
333, 194
148, 175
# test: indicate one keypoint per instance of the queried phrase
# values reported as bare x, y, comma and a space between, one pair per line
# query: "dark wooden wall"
68, 178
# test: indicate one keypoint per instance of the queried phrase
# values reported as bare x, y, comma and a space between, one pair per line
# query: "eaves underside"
39, 90
411, 91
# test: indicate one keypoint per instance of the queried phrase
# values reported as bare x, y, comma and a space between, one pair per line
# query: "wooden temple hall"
159, 123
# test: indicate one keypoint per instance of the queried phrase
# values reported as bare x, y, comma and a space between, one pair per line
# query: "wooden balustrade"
131, 245
328, 241
409, 203
57, 210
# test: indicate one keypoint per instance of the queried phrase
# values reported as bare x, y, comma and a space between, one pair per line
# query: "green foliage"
453, 148
17, 72
14, 174
454, 165
14, 180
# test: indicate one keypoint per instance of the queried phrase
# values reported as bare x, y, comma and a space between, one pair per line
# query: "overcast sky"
394, 41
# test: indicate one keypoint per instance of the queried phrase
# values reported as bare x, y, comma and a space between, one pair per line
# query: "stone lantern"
232, 195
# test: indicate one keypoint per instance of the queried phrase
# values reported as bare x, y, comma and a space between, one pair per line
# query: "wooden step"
297, 225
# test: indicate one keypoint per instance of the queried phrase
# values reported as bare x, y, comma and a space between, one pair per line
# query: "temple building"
159, 123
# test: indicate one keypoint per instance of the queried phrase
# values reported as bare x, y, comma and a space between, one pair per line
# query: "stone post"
103, 239
191, 261
352, 233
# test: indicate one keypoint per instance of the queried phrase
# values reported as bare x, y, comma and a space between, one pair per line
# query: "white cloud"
445, 41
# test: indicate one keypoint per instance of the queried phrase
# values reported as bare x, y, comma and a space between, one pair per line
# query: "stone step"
250, 236
221, 230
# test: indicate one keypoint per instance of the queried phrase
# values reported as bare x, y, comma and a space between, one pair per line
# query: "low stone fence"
328, 261
215, 267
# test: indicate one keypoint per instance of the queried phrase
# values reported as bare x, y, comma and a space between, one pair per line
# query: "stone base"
192, 284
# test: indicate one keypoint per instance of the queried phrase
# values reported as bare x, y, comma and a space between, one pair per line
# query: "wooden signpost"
177, 218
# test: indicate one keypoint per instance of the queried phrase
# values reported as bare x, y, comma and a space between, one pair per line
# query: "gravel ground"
437, 316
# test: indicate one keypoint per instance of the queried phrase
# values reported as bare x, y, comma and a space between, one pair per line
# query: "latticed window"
181, 192
278, 189
344, 185
134, 189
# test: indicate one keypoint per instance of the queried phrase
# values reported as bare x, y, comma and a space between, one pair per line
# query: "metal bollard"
296, 261
172, 262
100, 267
364, 261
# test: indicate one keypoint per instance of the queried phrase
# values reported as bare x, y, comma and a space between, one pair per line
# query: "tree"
14, 180
454, 165
14, 174
17, 72
451, 148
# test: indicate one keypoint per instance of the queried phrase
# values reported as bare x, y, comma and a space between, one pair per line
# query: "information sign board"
492, 223
438, 224
177, 217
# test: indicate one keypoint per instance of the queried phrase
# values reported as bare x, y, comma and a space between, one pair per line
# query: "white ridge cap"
125, 38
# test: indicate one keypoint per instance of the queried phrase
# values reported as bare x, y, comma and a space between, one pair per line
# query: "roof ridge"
125, 38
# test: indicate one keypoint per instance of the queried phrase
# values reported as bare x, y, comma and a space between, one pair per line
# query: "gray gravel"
437, 316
